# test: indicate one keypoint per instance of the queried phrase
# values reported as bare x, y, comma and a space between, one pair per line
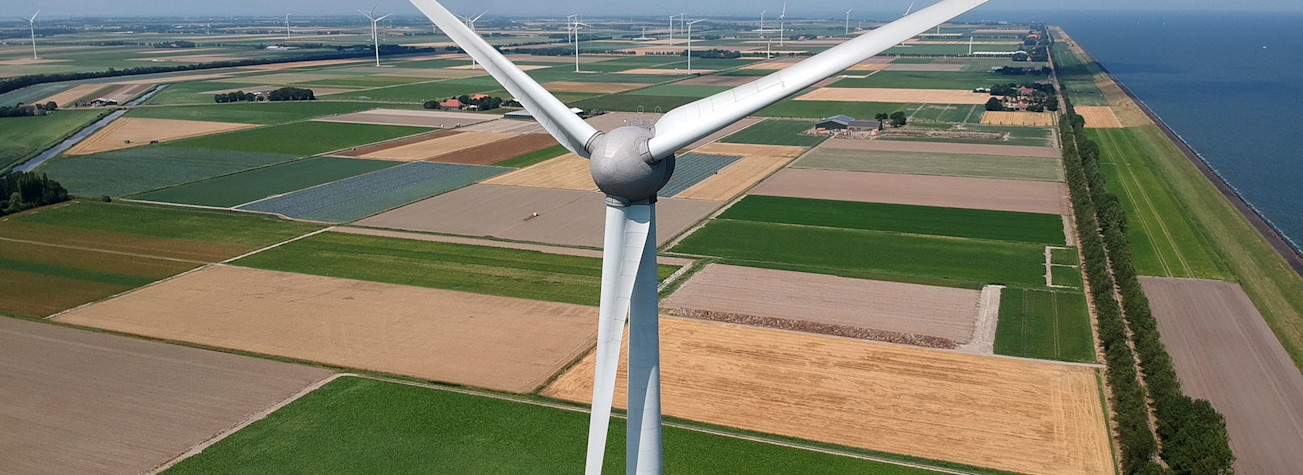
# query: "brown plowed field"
495, 152
916, 96
591, 87
1099, 117
1017, 415
567, 172
939, 147
109, 241
364, 150
77, 401
1029, 119
943, 191
421, 118
1224, 352
125, 92
434, 146
758, 161
499, 343
912, 309
141, 131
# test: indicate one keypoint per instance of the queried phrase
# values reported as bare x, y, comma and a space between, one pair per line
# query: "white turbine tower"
762, 22
782, 25
848, 21
31, 24
630, 164
690, 42
570, 28
287, 27
576, 27
470, 23
375, 29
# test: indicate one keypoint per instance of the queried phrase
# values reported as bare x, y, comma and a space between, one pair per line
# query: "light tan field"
940, 147
668, 72
1031, 119
499, 343
1017, 415
436, 146
125, 92
1099, 117
929, 67
141, 131
167, 51
869, 67
413, 118
920, 190
758, 162
919, 96
30, 61
507, 126
567, 172
175, 79
190, 58
303, 64
1126, 110
591, 87
70, 96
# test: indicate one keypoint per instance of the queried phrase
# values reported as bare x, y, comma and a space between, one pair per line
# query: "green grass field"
1066, 276
356, 425
904, 219
259, 183
1044, 324
821, 109
534, 157
1163, 240
252, 112
966, 263
421, 92
22, 138
195, 92
631, 102
300, 138
1010, 135
925, 80
1077, 76
681, 90
942, 164
479, 269
145, 168
1065, 256
362, 81
949, 50
776, 132
242, 229
956, 113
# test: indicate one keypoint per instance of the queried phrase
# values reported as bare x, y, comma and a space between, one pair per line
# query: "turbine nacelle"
624, 168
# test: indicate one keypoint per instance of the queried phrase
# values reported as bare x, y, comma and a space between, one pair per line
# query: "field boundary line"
52, 316
255, 417
106, 251
182, 205
273, 246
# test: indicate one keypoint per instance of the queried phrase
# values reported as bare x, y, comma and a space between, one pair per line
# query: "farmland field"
301, 138
531, 158
958, 113
925, 80
1010, 135
929, 163
22, 138
145, 168
1043, 324
421, 92
259, 183
204, 226
904, 219
359, 196
363, 425
1024, 196
631, 102
251, 112
776, 132
683, 90
820, 109
693, 168
885, 256
478, 269
1066, 276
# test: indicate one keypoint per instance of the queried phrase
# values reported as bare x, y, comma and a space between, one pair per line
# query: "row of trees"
20, 191
897, 119
282, 94
21, 110
482, 104
1193, 433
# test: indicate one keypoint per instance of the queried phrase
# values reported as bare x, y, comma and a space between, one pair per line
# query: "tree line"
21, 110
21, 191
282, 94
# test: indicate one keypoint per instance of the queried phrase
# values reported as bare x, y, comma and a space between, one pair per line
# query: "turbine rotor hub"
623, 167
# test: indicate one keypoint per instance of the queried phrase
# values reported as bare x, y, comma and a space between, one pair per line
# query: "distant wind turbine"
690, 42
287, 26
575, 27
762, 22
782, 26
470, 23
375, 30
848, 21
31, 23
907, 10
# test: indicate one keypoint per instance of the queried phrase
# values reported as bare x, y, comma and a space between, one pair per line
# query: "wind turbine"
287, 27
907, 10
762, 22
690, 42
848, 21
782, 26
470, 23
630, 164
570, 25
576, 30
31, 23
375, 29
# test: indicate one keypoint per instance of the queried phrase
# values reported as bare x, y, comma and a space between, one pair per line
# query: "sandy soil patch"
500, 343
897, 311
507, 126
415, 118
69, 96
758, 162
1099, 117
567, 172
668, 72
591, 87
930, 67
1023, 416
943, 191
1030, 119
84, 402
435, 146
941, 147
923, 96
565, 217
498, 151
139, 132
1224, 352
303, 64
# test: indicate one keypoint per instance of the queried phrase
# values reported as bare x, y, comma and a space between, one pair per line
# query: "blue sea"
1230, 84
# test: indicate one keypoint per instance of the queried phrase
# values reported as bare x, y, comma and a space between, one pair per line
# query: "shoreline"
1273, 235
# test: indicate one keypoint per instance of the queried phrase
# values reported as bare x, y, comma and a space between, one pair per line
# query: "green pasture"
479, 269
357, 425
681, 90
776, 132
903, 219
1008, 135
22, 138
1067, 276
815, 110
1052, 325
196, 92
259, 183
929, 163
423, 91
362, 81
924, 80
944, 50
1065, 256
1077, 76
533, 157
956, 113
31, 94
242, 229
300, 138
144, 168
251, 112
631, 102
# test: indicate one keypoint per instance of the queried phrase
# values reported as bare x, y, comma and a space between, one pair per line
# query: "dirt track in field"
421, 118
915, 96
943, 191
908, 309
1029, 119
435, 146
77, 401
495, 152
1224, 352
566, 172
1099, 117
137, 131
1025, 416
758, 161
500, 343
939, 147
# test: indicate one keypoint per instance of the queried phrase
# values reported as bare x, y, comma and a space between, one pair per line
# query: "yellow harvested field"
668, 72
125, 92
869, 67
70, 95
567, 172
1099, 117
130, 132
439, 145
591, 87
1033, 119
500, 343
917, 96
758, 162
1018, 415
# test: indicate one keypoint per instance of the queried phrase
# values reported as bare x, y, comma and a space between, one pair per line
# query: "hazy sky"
796, 8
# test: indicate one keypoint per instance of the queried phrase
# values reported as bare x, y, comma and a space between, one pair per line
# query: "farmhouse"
451, 104
101, 102
845, 122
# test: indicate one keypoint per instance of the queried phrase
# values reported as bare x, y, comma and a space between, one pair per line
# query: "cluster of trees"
21, 110
20, 191
291, 94
1012, 71
175, 44
1042, 98
1038, 54
1193, 433
713, 54
897, 119
482, 104
236, 96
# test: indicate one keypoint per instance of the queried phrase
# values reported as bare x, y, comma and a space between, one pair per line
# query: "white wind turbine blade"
627, 230
565, 126
383, 17
33, 20
910, 9
691, 122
